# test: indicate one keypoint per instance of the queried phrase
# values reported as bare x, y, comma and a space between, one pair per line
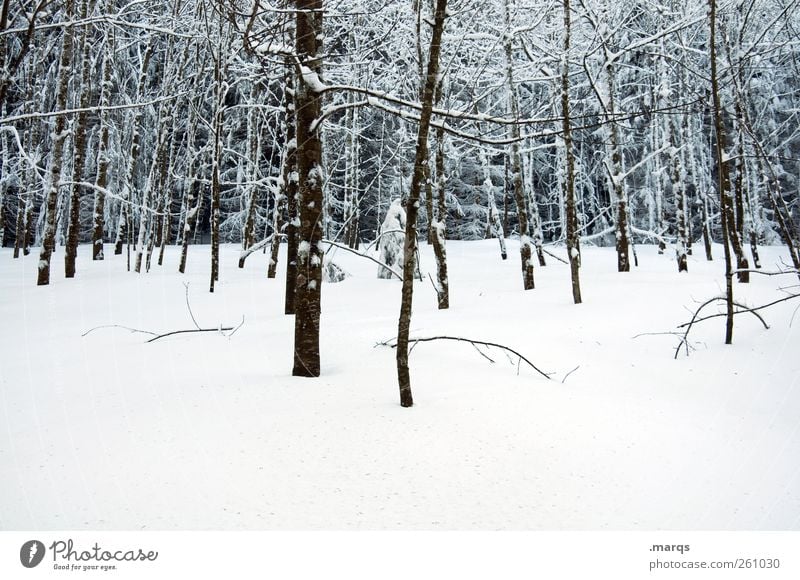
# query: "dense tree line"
142, 124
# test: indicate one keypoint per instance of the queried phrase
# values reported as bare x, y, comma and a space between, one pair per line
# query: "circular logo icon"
31, 553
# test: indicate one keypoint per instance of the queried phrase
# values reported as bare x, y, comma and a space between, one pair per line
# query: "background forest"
146, 117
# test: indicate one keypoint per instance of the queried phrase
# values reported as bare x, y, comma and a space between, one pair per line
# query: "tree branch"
474, 343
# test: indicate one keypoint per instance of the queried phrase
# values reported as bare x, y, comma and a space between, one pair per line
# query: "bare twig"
483, 354
237, 328
118, 326
220, 329
569, 373
742, 308
188, 306
552, 255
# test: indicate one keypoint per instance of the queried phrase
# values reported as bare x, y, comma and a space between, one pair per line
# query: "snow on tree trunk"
253, 155
101, 180
572, 233
56, 158
82, 59
494, 215
128, 188
308, 289
392, 239
517, 185
439, 224
412, 206
286, 198
220, 92
192, 191
614, 170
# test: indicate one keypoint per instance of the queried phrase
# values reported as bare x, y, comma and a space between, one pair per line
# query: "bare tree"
412, 204
308, 289
572, 233
57, 157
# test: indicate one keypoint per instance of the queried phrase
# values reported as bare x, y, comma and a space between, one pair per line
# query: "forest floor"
207, 431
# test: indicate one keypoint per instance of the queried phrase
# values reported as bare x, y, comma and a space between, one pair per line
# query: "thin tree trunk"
724, 177
292, 193
216, 157
4, 178
412, 206
518, 188
192, 190
57, 154
288, 190
572, 233
494, 215
124, 226
79, 129
98, 215
440, 226
615, 174
166, 182
254, 157
146, 213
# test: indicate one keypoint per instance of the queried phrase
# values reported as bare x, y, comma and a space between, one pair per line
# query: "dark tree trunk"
74, 222
724, 177
218, 125
57, 153
309, 168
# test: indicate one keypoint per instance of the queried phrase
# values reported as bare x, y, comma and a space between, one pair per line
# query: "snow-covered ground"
204, 431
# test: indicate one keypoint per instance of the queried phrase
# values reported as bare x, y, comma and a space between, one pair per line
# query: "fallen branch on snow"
118, 326
742, 309
157, 336
474, 343
220, 329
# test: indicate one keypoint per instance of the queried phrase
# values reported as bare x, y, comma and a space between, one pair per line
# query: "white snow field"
206, 431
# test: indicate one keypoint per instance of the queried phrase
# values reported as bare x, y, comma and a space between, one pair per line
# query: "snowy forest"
568, 143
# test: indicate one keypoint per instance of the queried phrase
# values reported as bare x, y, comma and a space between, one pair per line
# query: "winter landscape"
208, 431
421, 265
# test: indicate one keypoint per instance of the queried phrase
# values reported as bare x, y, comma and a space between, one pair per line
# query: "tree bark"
724, 177
412, 206
439, 226
79, 129
56, 159
517, 185
254, 157
308, 289
101, 180
572, 233
124, 225
292, 192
